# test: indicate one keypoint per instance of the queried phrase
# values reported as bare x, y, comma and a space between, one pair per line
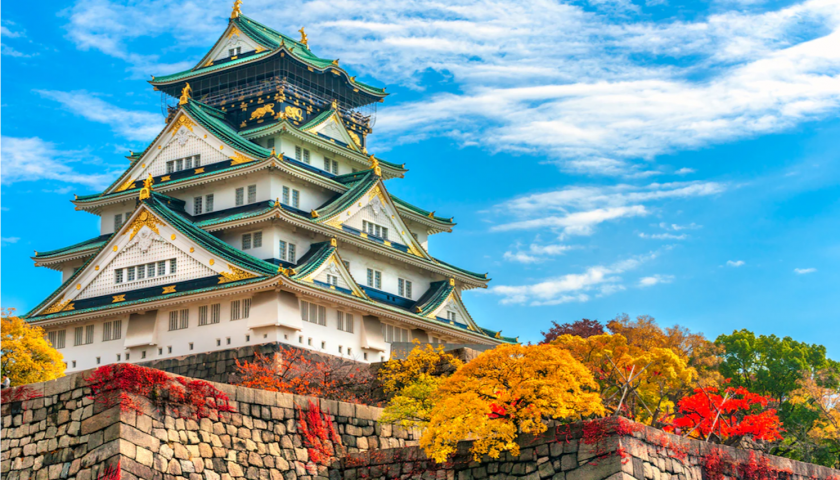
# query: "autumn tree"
582, 328
292, 370
506, 391
640, 383
27, 356
412, 382
823, 403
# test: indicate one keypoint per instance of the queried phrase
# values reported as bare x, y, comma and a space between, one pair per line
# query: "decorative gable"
233, 43
166, 256
333, 127
333, 274
454, 305
184, 143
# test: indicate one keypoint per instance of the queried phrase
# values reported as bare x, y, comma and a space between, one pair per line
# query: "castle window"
404, 288
293, 199
118, 221
332, 279
185, 163
246, 241
240, 196
150, 270
112, 330
179, 319
119, 357
269, 143
450, 316
394, 334
98, 360
346, 264
218, 342
374, 278
309, 312
344, 322
161, 268
127, 356
246, 308
235, 310
173, 267
84, 335
305, 156
118, 275
257, 239
74, 364
197, 204
131, 273
376, 230
330, 165
208, 203
56, 338
340, 349
202, 315
191, 345
169, 349
349, 351
160, 351
143, 354
365, 355
227, 340
232, 52
301, 154
141, 272
252, 193
215, 313
287, 251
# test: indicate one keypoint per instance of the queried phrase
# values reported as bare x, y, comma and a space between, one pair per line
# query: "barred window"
161, 268
208, 203
348, 323
56, 338
83, 335
252, 193
246, 241
150, 270
257, 239
130, 275
185, 318
305, 155
312, 313
287, 251
332, 279
235, 310
295, 198
394, 334
246, 308
298, 155
173, 321
197, 204
112, 330
141, 272
240, 196
118, 221
173, 266
451, 316
202, 315
374, 278
339, 323
404, 287
118, 275
215, 313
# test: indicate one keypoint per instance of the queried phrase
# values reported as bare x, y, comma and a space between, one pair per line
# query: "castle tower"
257, 215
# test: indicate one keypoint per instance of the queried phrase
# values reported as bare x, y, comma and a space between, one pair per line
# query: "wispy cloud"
578, 210
804, 271
594, 91
735, 263
535, 252
34, 159
130, 124
663, 236
9, 240
597, 280
9, 29
655, 280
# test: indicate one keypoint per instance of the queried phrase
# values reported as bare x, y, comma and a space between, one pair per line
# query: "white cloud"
130, 124
655, 280
735, 263
573, 287
535, 252
592, 90
33, 159
685, 171
675, 227
9, 240
663, 236
804, 271
578, 210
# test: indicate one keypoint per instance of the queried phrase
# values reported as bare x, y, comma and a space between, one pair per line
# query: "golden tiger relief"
294, 113
263, 111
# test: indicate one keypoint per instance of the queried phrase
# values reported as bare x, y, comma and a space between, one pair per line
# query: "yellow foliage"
509, 390
825, 402
659, 373
414, 381
27, 356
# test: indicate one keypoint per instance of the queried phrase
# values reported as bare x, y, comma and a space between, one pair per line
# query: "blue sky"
606, 156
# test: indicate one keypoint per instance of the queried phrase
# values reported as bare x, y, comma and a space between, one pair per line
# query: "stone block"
101, 420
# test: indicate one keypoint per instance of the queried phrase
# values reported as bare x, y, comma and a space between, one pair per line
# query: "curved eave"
329, 232
389, 170
175, 78
55, 262
384, 311
435, 225
93, 204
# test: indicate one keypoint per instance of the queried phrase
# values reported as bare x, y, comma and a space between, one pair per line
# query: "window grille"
202, 315
246, 308
240, 196
246, 241
118, 221
208, 203
235, 310
374, 278
252, 193
215, 312
257, 239
197, 204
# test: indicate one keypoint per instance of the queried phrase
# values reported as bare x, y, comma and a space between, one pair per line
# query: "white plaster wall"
359, 263
421, 233
233, 41
106, 220
286, 145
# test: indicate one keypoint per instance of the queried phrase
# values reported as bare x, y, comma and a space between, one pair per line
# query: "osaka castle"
256, 216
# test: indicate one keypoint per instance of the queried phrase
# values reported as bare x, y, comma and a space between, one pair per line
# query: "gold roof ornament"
432, 214
185, 93
236, 11
499, 334
374, 164
314, 213
303, 38
333, 242
452, 282
146, 191
334, 105
273, 152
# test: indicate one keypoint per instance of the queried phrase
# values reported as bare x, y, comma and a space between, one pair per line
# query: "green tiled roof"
434, 297
482, 276
347, 198
318, 254
273, 41
213, 119
89, 244
321, 118
420, 211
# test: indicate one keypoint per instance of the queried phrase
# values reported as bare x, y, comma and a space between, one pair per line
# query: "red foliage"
714, 464
18, 394
109, 473
738, 414
582, 328
718, 465
598, 430
118, 385
318, 432
290, 370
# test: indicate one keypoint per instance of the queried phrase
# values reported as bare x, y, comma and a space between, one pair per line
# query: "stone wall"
625, 451
65, 434
220, 366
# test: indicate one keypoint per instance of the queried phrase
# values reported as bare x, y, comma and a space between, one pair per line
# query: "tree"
582, 328
822, 404
641, 383
291, 370
505, 391
726, 419
27, 356
412, 383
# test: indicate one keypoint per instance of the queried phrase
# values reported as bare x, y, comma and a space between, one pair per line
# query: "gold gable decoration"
59, 305
234, 275
145, 219
185, 93
182, 121
239, 159
125, 186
